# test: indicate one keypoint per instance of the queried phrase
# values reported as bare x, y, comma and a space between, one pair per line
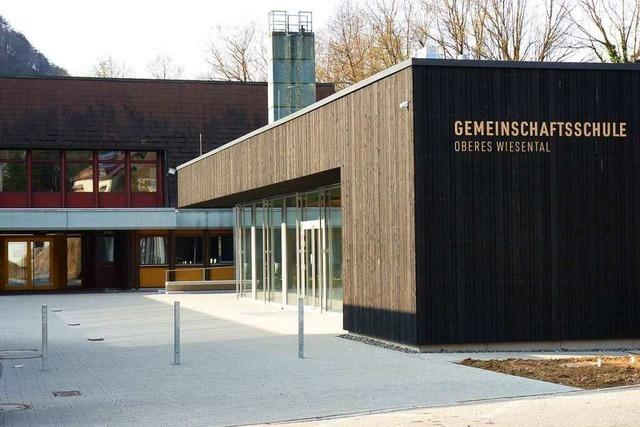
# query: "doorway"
29, 264
312, 264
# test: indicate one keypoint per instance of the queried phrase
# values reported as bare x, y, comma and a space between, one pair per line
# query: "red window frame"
16, 199
113, 198
45, 199
146, 199
95, 198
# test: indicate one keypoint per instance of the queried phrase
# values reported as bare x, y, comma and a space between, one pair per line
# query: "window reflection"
13, 176
111, 177
153, 250
45, 177
188, 250
79, 177
143, 178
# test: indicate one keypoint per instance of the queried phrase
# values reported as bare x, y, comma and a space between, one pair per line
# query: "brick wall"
130, 114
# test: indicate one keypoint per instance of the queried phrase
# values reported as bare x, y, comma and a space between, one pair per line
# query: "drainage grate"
66, 393
95, 339
10, 407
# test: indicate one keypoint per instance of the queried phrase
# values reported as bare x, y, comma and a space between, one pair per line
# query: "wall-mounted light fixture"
171, 171
404, 105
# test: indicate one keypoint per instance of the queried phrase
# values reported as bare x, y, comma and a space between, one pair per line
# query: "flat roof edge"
475, 63
344, 92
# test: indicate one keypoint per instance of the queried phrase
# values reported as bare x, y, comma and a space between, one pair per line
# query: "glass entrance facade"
291, 246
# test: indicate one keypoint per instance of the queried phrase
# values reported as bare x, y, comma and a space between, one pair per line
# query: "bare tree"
237, 54
109, 68
345, 47
453, 27
506, 28
163, 67
554, 39
609, 30
424, 16
390, 23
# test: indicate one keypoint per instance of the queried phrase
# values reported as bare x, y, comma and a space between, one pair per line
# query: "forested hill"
19, 57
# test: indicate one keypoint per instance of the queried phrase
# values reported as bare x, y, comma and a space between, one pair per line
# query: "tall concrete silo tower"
292, 65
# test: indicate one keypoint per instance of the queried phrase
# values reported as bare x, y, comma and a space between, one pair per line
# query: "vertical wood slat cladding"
369, 138
526, 246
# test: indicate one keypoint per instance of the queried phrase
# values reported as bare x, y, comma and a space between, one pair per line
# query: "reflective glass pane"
51, 155
79, 177
292, 259
46, 177
13, 154
220, 249
40, 264
153, 250
13, 176
111, 177
111, 156
74, 261
106, 248
143, 156
188, 250
143, 178
245, 250
17, 263
78, 155
275, 230
259, 252
334, 219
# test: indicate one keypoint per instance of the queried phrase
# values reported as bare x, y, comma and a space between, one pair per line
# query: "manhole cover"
66, 393
22, 353
8, 407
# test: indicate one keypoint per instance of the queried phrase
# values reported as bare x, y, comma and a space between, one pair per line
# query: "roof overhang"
44, 219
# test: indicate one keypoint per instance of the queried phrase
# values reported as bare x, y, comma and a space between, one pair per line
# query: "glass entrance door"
312, 266
29, 264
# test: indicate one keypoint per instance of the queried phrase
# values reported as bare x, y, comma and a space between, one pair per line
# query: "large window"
79, 171
90, 178
106, 247
291, 247
221, 249
143, 171
45, 171
188, 250
153, 250
111, 171
13, 171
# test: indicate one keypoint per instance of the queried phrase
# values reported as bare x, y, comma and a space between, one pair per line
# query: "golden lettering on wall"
527, 136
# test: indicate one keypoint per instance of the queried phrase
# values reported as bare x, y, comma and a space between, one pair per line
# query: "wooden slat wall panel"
369, 138
526, 246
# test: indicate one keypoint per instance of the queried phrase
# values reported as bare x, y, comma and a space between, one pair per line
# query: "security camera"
404, 105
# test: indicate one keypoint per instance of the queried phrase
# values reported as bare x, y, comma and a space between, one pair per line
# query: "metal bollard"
45, 337
176, 332
300, 328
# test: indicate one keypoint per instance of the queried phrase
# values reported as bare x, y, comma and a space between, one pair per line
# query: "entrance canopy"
24, 219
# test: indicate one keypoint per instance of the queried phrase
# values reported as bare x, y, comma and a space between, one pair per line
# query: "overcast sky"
74, 34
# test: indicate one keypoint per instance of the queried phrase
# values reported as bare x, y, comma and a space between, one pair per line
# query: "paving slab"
618, 407
240, 364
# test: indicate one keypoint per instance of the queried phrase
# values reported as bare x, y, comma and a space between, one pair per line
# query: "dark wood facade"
452, 247
527, 246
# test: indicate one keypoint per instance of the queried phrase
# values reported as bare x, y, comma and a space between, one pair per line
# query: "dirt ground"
581, 372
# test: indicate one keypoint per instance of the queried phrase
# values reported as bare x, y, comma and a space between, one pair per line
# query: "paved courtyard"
240, 365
